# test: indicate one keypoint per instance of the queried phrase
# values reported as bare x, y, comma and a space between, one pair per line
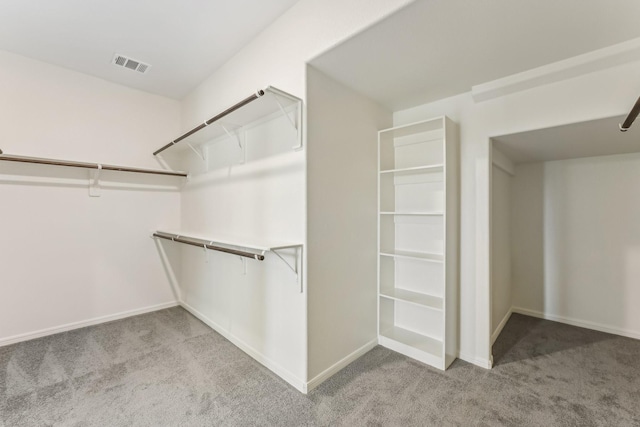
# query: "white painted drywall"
260, 200
595, 95
342, 220
67, 258
266, 198
590, 238
501, 277
278, 56
528, 236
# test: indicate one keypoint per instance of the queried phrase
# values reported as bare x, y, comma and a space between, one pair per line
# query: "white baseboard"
84, 323
329, 372
270, 364
500, 327
576, 322
478, 361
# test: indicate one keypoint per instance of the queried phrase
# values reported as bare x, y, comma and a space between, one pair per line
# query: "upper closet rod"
631, 117
228, 111
203, 244
54, 162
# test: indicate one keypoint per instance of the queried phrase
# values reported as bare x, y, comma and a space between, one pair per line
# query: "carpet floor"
169, 369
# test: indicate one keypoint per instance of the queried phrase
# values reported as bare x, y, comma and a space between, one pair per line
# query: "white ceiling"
586, 139
184, 41
433, 49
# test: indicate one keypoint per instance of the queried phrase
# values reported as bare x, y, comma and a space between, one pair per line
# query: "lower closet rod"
203, 244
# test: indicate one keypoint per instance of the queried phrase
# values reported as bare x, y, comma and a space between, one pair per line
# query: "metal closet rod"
54, 162
631, 117
203, 244
206, 123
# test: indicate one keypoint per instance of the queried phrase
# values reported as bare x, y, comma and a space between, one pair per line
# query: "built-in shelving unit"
417, 240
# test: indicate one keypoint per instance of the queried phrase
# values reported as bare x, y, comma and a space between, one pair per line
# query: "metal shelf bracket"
238, 135
297, 265
202, 154
94, 182
295, 121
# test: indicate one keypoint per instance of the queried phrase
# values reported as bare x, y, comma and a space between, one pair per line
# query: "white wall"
591, 242
275, 205
501, 231
528, 236
67, 258
278, 56
594, 95
342, 221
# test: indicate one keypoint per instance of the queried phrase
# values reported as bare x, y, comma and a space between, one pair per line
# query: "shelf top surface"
412, 128
414, 255
416, 169
257, 244
421, 342
412, 213
413, 297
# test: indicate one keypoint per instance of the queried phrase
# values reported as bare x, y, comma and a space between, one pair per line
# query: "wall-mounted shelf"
241, 247
232, 121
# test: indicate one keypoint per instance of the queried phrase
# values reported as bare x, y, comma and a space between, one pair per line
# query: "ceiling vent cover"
131, 64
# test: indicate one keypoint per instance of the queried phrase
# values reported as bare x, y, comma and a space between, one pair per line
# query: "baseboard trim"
283, 373
84, 323
501, 325
342, 363
576, 322
478, 361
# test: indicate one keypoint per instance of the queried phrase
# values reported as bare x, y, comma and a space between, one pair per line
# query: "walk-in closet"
564, 233
319, 213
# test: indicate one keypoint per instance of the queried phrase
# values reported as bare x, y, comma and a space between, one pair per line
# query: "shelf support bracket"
236, 135
94, 182
294, 123
206, 254
201, 154
296, 267
243, 260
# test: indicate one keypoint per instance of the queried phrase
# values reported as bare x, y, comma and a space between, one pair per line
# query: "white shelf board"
425, 300
429, 346
413, 213
413, 255
412, 128
417, 169
240, 242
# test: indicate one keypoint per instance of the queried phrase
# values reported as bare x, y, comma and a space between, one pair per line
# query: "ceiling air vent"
132, 64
